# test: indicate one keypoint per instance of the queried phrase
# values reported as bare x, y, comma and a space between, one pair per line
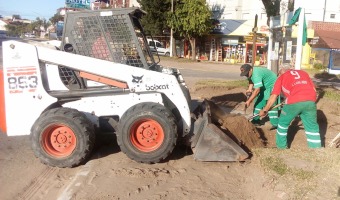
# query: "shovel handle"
248, 94
278, 105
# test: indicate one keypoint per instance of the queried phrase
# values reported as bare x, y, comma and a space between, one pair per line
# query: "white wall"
134, 3
320, 10
241, 9
2, 25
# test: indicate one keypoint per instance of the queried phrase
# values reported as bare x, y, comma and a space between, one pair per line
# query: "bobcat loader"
103, 71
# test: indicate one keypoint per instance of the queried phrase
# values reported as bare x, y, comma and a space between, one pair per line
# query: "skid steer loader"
103, 70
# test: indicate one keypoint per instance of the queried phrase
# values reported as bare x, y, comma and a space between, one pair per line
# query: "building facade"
321, 10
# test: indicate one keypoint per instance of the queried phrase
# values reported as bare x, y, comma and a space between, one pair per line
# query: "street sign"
85, 4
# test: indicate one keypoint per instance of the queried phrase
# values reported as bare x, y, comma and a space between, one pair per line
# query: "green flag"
294, 19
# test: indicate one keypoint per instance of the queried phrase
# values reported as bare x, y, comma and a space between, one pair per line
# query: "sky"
30, 9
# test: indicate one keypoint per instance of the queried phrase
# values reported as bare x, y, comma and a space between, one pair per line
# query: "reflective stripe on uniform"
281, 127
314, 141
310, 133
283, 134
260, 83
274, 111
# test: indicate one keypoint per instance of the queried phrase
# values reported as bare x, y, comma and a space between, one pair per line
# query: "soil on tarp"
243, 131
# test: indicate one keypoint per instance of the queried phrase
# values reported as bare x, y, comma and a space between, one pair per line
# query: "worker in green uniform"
261, 82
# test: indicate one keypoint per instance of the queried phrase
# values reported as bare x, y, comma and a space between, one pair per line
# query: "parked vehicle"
29, 35
157, 47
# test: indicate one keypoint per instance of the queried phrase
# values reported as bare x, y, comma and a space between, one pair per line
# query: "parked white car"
156, 46
29, 35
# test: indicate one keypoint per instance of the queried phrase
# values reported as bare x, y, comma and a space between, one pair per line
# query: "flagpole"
299, 45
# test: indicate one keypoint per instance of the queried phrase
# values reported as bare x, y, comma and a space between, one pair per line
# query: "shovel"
278, 105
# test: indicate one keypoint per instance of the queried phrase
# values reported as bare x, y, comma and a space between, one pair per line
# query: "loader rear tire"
147, 133
62, 137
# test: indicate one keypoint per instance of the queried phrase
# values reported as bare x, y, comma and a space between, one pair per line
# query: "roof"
327, 39
327, 33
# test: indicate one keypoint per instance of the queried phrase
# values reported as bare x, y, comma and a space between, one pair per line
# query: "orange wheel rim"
146, 135
59, 141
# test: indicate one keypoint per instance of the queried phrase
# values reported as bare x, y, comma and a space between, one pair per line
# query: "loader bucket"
209, 142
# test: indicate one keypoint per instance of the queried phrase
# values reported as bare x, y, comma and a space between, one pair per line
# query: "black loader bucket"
209, 142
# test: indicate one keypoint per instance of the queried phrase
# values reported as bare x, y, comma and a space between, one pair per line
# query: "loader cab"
114, 35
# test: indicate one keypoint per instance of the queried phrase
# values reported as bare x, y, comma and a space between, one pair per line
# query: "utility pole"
171, 31
324, 11
254, 41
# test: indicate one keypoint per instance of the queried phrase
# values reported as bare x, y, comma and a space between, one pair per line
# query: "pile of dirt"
243, 130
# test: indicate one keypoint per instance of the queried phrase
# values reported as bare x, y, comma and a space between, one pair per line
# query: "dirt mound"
243, 131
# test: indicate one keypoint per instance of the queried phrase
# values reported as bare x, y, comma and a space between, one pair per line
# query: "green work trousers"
273, 114
307, 112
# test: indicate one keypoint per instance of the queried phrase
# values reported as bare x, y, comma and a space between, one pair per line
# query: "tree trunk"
174, 50
193, 48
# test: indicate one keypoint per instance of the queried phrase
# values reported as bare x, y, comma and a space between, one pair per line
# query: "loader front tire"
62, 137
147, 132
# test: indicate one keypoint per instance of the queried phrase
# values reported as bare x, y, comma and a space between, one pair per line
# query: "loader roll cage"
113, 35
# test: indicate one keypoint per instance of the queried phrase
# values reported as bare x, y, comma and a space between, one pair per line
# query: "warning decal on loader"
22, 79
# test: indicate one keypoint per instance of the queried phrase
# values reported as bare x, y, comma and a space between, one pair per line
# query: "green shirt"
264, 79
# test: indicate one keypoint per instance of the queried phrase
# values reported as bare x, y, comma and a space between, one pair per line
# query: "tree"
154, 22
16, 28
191, 19
272, 8
56, 18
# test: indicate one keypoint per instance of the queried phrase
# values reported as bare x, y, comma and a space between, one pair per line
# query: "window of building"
332, 16
245, 16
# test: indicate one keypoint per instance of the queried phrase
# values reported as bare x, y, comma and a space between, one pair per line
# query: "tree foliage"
16, 29
154, 22
56, 18
273, 7
191, 19
40, 23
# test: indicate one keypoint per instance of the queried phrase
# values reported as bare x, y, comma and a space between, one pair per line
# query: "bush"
319, 66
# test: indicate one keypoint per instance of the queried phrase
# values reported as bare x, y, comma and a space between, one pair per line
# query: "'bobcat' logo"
137, 79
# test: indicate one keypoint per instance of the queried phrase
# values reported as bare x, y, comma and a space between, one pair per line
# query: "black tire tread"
87, 130
152, 107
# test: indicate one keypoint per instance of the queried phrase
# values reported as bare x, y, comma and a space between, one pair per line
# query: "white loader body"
28, 90
102, 76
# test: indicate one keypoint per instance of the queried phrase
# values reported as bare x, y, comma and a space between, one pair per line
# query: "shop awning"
233, 27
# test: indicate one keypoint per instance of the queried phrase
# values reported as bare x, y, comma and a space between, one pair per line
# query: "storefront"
230, 41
